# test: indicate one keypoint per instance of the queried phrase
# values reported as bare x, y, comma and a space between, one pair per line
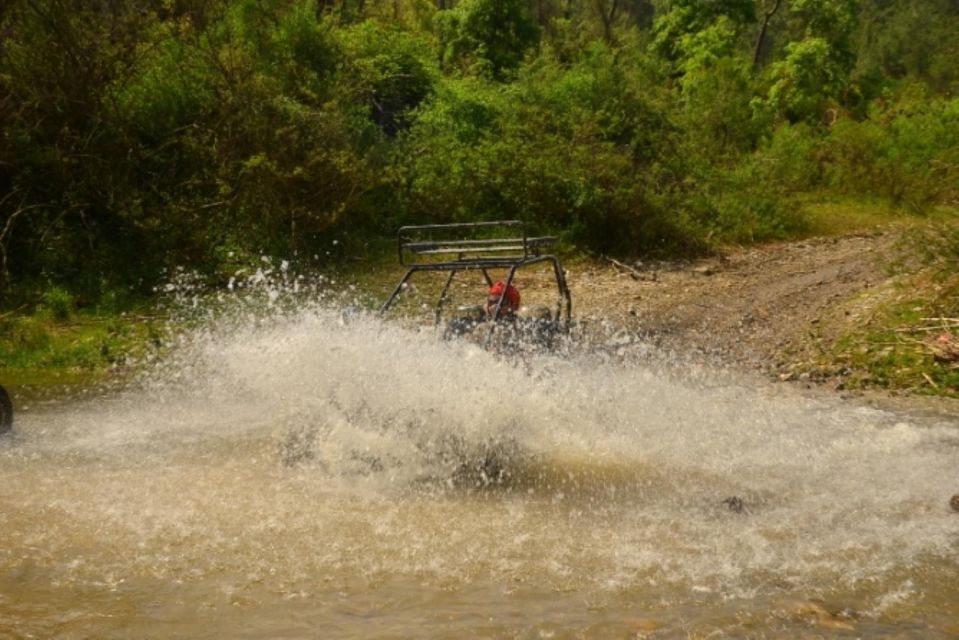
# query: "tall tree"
496, 33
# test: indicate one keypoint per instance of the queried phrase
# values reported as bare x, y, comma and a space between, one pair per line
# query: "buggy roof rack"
469, 245
501, 244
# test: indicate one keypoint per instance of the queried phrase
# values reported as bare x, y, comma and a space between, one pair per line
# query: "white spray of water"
313, 444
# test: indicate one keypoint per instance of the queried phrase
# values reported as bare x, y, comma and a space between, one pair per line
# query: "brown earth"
758, 308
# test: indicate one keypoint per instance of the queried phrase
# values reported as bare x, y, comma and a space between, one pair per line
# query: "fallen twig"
936, 328
10, 313
901, 343
635, 273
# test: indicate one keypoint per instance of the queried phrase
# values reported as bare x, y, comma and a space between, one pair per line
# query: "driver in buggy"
511, 301
471, 317
526, 328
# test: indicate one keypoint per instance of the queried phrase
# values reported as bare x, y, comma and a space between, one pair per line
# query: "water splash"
281, 447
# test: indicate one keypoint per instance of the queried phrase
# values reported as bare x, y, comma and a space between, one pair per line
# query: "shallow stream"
308, 476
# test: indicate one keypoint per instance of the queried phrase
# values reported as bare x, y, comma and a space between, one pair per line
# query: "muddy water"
308, 477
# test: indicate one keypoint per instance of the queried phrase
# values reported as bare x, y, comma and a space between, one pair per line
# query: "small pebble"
954, 502
735, 504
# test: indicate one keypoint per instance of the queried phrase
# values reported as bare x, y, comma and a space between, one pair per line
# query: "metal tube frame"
483, 263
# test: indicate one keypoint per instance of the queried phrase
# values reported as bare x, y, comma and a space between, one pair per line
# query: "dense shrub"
139, 136
567, 147
487, 36
908, 153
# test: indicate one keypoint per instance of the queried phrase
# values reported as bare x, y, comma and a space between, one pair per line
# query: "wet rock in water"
643, 628
948, 629
816, 614
954, 502
735, 504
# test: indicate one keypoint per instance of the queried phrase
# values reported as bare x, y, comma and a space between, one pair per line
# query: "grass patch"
843, 217
911, 338
47, 349
824, 216
910, 344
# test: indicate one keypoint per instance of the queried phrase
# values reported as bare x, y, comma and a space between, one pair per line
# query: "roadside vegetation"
143, 137
56, 346
910, 339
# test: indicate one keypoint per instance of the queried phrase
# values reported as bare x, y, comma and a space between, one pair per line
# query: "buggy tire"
6, 412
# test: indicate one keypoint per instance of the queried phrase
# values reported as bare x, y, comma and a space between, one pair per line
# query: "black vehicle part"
6, 411
467, 318
482, 246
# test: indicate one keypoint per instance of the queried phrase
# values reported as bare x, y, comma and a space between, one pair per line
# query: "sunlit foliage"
140, 136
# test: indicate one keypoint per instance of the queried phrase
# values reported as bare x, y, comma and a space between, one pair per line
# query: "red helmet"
510, 302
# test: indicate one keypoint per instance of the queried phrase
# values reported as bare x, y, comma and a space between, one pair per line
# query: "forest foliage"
142, 136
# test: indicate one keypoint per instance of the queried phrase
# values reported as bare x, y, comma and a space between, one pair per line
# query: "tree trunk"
762, 32
607, 18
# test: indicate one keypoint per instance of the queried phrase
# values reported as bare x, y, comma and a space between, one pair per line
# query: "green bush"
58, 303
566, 147
793, 157
488, 36
742, 204
388, 71
908, 153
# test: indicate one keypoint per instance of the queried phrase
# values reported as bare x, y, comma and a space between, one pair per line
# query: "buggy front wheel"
6, 411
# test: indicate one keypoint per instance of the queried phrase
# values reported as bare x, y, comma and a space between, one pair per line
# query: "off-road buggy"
497, 250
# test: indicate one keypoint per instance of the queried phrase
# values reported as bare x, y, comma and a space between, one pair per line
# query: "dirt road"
758, 308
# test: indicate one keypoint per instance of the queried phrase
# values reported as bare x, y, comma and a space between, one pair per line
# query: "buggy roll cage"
469, 247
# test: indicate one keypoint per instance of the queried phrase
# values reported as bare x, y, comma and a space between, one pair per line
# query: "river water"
309, 476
